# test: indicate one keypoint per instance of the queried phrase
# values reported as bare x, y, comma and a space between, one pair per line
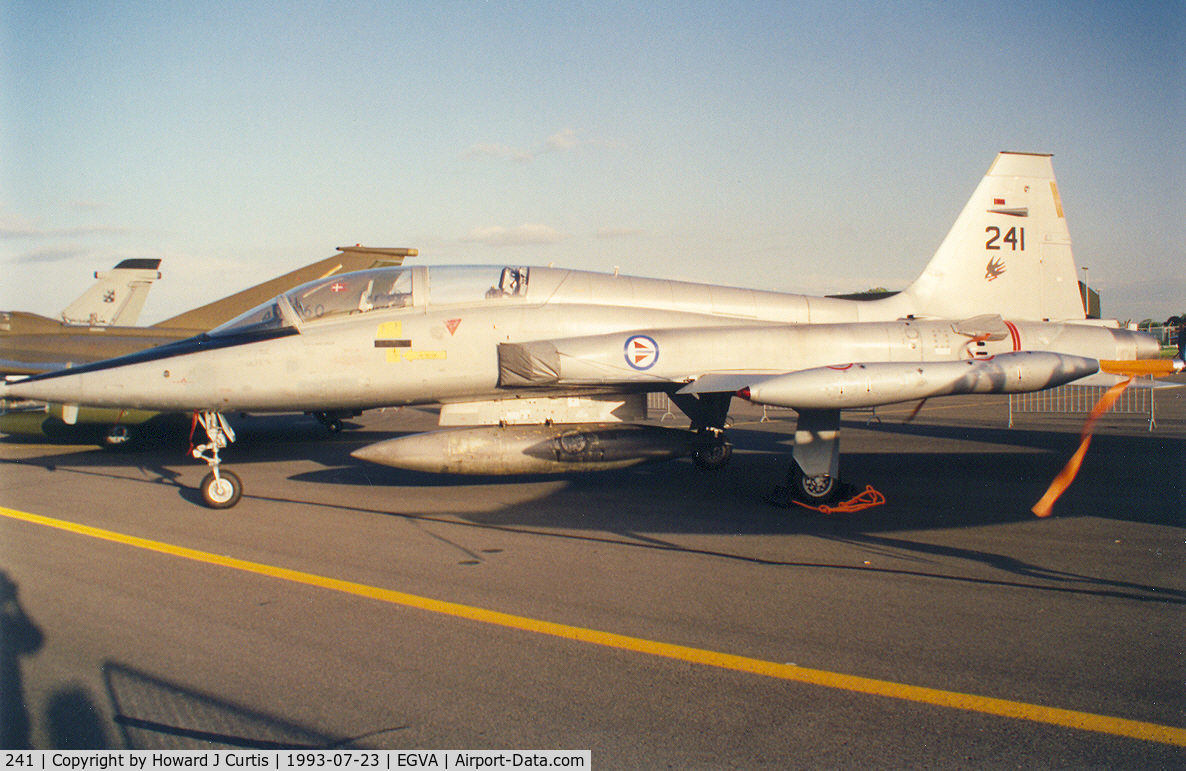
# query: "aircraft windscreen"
456, 284
366, 290
325, 298
258, 319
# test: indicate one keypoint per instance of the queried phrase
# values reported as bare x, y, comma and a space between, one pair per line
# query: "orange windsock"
1061, 482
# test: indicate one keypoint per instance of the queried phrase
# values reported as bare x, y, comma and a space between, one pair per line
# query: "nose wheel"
220, 489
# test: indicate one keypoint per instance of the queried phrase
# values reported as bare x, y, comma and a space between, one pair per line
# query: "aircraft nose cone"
418, 452
371, 453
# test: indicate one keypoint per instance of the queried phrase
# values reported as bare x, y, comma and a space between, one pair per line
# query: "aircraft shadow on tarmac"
1128, 478
649, 507
592, 510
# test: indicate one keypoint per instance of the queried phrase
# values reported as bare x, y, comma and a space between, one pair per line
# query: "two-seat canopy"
379, 289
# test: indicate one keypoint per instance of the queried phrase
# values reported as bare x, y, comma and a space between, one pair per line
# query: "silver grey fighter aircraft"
545, 370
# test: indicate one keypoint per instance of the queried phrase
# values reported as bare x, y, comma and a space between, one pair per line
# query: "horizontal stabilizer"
990, 327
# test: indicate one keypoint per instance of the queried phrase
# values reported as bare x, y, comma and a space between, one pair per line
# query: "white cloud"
565, 140
53, 254
14, 225
524, 235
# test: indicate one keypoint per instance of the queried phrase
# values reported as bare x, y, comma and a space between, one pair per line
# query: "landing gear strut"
331, 421
813, 477
712, 452
220, 489
709, 414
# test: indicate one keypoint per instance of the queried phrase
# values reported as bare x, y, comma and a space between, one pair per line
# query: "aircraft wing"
33, 354
722, 382
349, 258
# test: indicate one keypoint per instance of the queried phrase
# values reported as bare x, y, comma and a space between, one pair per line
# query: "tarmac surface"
658, 616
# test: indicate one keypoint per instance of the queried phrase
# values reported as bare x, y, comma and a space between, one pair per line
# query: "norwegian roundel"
641, 352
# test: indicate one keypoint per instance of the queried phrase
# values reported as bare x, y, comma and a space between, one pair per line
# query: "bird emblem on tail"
994, 269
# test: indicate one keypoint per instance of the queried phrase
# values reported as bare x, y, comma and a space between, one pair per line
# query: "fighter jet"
98, 326
88, 330
544, 370
116, 298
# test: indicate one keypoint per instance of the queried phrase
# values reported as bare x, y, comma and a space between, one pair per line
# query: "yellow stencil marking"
423, 355
1085, 721
389, 330
405, 354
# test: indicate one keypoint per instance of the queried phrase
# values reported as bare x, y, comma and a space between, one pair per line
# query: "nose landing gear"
220, 489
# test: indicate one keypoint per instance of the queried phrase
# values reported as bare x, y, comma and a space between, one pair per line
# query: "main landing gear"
709, 414
220, 489
712, 451
813, 478
818, 490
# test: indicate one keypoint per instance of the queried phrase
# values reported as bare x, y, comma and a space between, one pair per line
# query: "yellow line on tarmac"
1060, 717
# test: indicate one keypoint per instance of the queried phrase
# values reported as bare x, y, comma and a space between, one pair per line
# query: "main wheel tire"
118, 435
221, 492
819, 490
712, 456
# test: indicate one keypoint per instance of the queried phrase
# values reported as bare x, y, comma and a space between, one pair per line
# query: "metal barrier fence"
657, 400
1068, 400
1080, 399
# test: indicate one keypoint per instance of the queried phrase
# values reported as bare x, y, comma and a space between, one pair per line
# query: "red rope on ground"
865, 500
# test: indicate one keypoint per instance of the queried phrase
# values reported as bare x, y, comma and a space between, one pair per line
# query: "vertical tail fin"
1008, 253
117, 297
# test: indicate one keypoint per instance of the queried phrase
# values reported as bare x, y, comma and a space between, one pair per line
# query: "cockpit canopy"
377, 289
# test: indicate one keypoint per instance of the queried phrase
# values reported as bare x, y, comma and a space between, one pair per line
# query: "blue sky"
810, 147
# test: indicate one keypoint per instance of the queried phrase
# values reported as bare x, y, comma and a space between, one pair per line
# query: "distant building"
1091, 301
